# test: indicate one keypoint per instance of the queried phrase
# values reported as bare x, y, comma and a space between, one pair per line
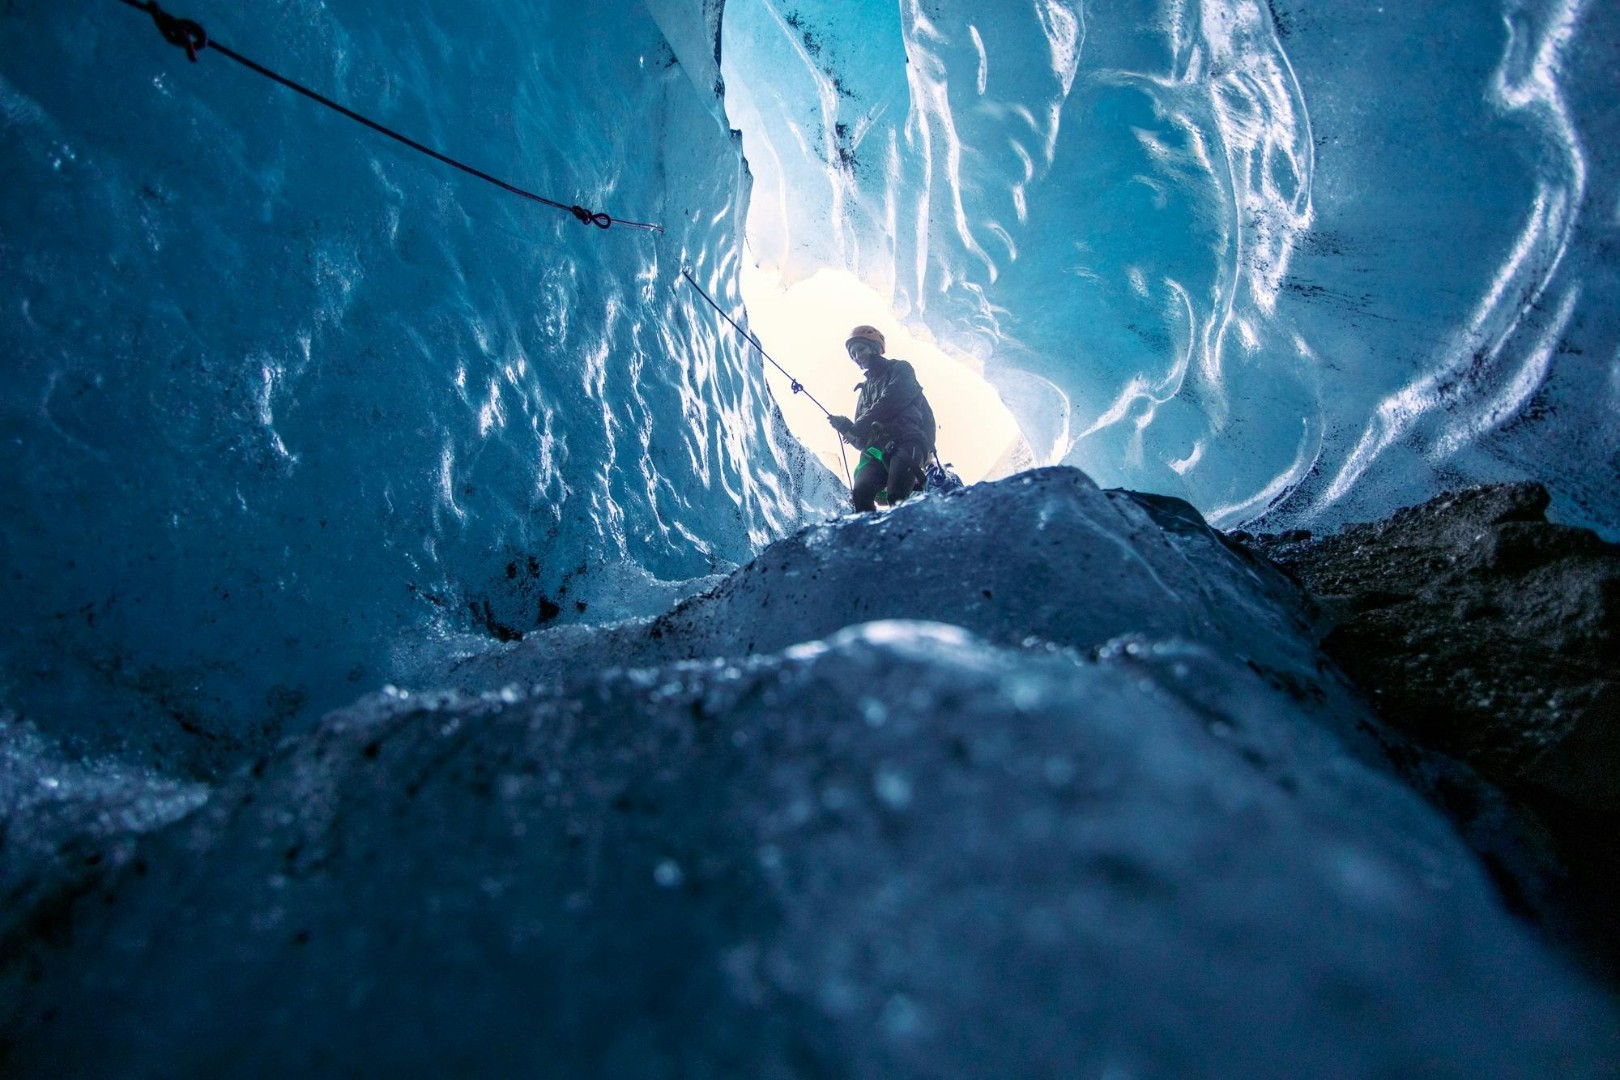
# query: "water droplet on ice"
1025, 693
901, 1017
875, 712
893, 788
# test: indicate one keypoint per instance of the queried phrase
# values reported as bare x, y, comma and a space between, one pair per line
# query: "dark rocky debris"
1485, 632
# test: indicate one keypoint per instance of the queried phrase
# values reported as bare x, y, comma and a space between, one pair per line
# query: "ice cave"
441, 644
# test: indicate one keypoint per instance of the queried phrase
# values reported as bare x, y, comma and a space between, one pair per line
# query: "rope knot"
798, 387
601, 221
185, 33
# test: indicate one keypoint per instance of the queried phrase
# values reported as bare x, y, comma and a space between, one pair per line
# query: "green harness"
869, 457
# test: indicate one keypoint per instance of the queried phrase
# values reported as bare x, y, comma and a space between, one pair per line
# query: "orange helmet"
866, 333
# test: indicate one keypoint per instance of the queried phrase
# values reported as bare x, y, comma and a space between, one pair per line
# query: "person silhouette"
893, 426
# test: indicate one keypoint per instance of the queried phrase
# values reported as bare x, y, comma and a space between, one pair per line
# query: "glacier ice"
283, 393
293, 413
898, 849
1266, 257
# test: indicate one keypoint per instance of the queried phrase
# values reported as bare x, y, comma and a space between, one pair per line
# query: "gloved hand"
841, 424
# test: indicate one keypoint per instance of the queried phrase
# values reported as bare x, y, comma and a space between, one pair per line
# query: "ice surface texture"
283, 397
897, 850
1043, 558
1321, 259
285, 400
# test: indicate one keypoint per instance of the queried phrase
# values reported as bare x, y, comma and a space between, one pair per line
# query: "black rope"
798, 387
190, 36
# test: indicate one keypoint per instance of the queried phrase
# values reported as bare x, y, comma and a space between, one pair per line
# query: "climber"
893, 426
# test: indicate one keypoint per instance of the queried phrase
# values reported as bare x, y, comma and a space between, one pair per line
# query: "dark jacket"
892, 408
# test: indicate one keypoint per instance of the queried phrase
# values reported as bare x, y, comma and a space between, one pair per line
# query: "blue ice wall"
1316, 260
285, 402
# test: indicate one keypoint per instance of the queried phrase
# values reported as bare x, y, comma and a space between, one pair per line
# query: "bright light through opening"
804, 328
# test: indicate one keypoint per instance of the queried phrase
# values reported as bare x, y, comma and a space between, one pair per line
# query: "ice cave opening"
1213, 250
803, 326
802, 307
421, 620
286, 401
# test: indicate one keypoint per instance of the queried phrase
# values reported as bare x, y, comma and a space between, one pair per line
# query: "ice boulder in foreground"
894, 848
1045, 557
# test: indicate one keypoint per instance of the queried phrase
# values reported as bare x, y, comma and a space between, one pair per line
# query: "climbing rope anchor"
189, 35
